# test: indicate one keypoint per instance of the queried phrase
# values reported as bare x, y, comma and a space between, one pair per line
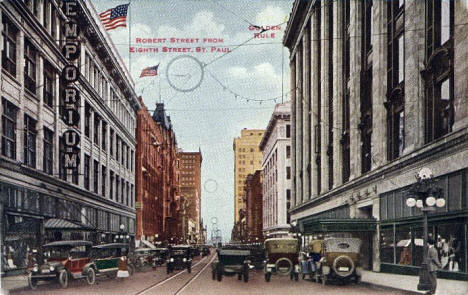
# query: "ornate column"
299, 135
324, 94
306, 115
337, 93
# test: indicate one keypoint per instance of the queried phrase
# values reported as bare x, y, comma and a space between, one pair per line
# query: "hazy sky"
210, 116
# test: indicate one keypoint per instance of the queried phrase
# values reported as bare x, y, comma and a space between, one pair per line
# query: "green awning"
318, 225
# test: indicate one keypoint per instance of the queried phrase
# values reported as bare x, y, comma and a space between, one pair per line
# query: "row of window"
120, 150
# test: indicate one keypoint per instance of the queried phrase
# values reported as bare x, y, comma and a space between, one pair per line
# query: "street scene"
234, 147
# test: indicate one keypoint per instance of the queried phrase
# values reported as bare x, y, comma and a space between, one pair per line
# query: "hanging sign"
70, 96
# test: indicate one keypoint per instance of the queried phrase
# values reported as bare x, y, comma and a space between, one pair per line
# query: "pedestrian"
434, 264
122, 266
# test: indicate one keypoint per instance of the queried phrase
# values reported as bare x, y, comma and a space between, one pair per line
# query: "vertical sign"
70, 96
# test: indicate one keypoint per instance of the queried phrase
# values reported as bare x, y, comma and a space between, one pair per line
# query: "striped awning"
62, 224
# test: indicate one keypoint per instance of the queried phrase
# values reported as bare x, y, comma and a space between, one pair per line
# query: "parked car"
282, 257
340, 260
160, 255
257, 256
180, 257
195, 250
105, 257
232, 260
63, 260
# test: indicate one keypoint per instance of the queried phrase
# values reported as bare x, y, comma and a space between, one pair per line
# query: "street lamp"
426, 196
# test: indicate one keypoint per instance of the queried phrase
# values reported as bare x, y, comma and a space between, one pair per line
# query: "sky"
236, 91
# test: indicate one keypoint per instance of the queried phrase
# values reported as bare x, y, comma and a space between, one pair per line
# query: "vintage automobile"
149, 257
340, 260
62, 260
195, 250
232, 260
160, 255
282, 257
104, 259
257, 256
205, 251
179, 257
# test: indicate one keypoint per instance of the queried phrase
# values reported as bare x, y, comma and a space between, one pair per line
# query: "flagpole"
159, 78
129, 37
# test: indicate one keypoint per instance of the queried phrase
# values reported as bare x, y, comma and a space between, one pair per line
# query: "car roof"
111, 245
72, 243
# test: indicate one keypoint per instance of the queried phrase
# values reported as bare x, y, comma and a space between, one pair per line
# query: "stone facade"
276, 148
361, 193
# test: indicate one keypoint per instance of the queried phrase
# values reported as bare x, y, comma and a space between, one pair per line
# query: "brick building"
151, 162
254, 207
160, 142
190, 193
378, 92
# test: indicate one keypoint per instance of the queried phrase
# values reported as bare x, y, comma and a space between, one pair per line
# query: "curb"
373, 285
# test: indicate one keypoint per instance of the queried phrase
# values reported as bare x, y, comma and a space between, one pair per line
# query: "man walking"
434, 264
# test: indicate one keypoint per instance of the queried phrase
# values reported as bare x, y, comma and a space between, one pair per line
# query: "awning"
62, 224
317, 225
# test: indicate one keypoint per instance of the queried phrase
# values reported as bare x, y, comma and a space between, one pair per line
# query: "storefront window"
450, 246
21, 237
386, 245
404, 250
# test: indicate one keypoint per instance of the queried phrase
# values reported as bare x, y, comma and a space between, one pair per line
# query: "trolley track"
209, 259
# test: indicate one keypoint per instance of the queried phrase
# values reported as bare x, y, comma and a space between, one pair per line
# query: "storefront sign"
70, 96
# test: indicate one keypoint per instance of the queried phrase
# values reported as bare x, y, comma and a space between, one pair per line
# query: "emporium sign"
70, 96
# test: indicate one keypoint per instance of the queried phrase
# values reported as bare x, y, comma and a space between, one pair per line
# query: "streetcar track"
194, 278
160, 283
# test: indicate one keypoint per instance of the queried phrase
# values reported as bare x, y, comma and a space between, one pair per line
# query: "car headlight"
184, 260
52, 268
171, 260
35, 268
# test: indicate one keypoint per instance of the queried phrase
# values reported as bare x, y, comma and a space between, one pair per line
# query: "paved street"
200, 282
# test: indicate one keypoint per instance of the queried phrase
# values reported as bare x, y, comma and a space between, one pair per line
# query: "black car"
180, 257
232, 260
205, 250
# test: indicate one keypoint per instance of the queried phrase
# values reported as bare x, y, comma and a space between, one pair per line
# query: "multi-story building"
276, 167
254, 208
41, 199
151, 163
247, 160
168, 164
378, 92
190, 192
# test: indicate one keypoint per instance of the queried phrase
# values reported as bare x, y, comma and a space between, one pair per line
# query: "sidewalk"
410, 283
13, 283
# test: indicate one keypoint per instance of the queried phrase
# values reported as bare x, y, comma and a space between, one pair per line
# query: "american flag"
149, 71
114, 17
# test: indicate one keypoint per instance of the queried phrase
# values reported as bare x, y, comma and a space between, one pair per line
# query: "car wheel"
267, 276
357, 279
90, 276
189, 269
246, 273
296, 276
63, 278
213, 274
239, 276
324, 280
317, 278
32, 282
168, 269
291, 275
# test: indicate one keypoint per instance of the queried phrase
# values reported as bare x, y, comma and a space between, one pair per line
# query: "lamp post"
426, 196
